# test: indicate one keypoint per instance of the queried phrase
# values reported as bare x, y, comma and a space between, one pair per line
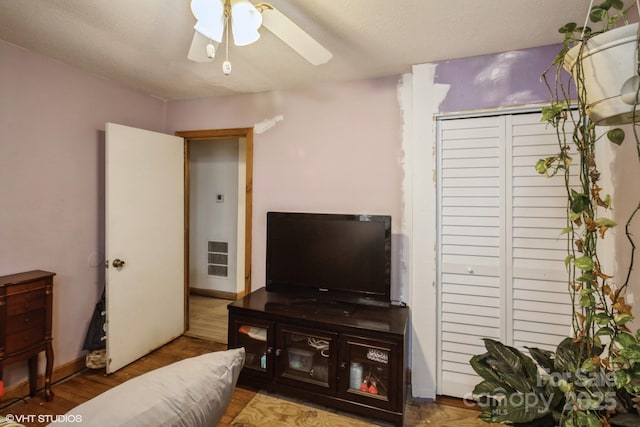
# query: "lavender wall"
331, 148
496, 80
52, 120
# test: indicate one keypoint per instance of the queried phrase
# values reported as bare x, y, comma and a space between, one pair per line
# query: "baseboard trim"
457, 402
213, 293
21, 390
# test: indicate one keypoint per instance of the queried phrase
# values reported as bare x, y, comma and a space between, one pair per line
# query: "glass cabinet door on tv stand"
370, 371
256, 336
307, 356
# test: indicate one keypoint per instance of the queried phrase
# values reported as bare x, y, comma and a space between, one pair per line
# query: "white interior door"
471, 250
145, 229
501, 253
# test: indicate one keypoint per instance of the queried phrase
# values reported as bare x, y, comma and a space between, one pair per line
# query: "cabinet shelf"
312, 357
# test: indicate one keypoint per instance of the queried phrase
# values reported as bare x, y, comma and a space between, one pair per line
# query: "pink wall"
52, 120
335, 148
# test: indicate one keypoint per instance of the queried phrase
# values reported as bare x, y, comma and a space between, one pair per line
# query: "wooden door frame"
213, 134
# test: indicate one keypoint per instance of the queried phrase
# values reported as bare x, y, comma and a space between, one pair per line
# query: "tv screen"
334, 257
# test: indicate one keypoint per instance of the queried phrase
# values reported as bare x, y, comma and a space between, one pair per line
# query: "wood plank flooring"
79, 388
208, 318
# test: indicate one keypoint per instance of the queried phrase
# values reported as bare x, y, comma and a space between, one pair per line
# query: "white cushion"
192, 392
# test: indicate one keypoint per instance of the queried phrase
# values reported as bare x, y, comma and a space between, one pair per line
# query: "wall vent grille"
218, 258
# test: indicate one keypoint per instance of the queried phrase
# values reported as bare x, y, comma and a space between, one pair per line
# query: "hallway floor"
208, 318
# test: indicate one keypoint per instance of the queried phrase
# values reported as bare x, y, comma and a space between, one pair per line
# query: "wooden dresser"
25, 323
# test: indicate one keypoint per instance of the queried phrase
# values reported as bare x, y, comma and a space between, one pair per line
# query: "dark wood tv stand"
354, 361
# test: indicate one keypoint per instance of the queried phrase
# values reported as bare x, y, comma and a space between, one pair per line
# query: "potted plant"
604, 64
593, 377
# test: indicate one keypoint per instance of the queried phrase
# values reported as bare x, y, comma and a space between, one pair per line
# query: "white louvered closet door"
500, 254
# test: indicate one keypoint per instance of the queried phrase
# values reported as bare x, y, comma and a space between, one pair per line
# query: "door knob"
117, 263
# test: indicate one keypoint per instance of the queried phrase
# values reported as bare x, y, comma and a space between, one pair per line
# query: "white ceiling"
144, 43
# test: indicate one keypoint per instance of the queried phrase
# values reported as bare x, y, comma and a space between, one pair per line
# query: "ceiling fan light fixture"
216, 18
210, 18
245, 21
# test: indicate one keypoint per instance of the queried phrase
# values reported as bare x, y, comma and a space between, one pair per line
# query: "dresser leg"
33, 374
48, 394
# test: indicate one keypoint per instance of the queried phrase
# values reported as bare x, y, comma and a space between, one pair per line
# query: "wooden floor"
73, 391
208, 318
89, 383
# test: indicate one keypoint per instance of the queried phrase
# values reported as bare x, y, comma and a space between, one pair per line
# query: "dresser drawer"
25, 302
26, 287
24, 321
24, 339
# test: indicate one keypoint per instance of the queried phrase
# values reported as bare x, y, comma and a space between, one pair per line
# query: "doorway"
216, 251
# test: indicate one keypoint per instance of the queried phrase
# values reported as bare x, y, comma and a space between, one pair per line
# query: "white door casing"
144, 204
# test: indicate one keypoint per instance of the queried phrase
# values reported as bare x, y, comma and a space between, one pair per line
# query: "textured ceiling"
144, 43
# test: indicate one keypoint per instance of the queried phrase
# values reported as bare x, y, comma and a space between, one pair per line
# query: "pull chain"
226, 65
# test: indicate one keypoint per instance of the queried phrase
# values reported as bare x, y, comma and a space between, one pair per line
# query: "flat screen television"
330, 257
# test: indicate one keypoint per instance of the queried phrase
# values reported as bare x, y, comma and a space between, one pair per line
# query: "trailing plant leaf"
568, 28
567, 261
584, 263
602, 318
585, 278
597, 14
631, 352
587, 301
590, 364
621, 319
606, 222
617, 4
621, 378
541, 166
551, 114
616, 136
579, 202
625, 339
581, 419
604, 331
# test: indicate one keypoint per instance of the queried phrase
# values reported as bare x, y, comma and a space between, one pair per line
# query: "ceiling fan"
214, 17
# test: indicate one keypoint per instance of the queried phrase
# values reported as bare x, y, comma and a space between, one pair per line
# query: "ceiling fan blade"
290, 33
198, 49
